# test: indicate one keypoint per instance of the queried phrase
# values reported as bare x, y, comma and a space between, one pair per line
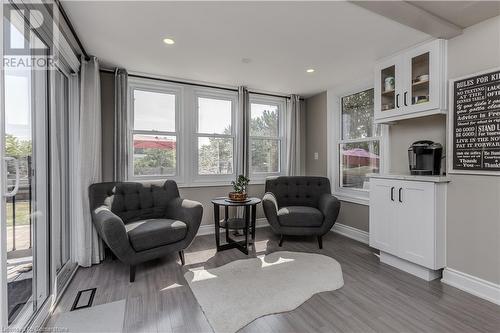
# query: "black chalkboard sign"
475, 123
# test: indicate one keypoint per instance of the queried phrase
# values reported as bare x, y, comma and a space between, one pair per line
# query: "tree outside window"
359, 146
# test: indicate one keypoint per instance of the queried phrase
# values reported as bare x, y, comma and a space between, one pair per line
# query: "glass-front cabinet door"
421, 86
388, 87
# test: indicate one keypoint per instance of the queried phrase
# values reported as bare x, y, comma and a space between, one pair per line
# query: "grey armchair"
302, 206
140, 223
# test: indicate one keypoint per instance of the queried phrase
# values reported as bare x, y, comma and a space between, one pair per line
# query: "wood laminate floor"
375, 296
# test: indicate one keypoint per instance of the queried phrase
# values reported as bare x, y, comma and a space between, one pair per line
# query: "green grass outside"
22, 213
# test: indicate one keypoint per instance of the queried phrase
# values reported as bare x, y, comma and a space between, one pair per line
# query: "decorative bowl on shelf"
238, 196
421, 78
420, 99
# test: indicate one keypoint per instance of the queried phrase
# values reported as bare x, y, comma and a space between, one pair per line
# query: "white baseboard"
353, 233
342, 229
209, 229
473, 285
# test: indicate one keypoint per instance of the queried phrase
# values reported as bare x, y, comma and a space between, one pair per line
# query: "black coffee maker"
425, 158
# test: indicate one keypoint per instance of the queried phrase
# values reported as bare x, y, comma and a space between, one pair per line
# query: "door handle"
397, 101
406, 93
392, 193
399, 192
16, 184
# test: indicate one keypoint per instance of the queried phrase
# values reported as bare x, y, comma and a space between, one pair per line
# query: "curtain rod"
181, 82
72, 29
197, 84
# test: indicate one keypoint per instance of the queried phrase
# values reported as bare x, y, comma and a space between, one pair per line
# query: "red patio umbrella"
147, 142
359, 157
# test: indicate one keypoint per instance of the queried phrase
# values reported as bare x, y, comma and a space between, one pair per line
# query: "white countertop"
432, 179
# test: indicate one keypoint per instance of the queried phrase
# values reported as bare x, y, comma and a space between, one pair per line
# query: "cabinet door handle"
13, 192
399, 191
397, 101
392, 193
406, 93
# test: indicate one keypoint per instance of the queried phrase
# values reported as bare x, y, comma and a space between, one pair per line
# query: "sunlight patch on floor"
281, 260
202, 275
172, 286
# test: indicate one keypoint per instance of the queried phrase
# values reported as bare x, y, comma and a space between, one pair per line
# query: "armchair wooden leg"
281, 240
320, 242
181, 255
132, 273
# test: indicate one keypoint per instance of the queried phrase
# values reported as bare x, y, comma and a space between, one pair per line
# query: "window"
358, 145
192, 134
155, 131
266, 136
215, 135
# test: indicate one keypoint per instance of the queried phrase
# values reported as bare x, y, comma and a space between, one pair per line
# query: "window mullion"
142, 132
359, 140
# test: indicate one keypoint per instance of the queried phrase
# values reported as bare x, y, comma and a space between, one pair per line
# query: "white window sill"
205, 184
193, 183
160, 181
353, 198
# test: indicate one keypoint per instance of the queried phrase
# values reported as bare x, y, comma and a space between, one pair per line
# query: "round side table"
245, 223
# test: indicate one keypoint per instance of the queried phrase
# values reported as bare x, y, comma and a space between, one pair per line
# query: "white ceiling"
461, 13
340, 40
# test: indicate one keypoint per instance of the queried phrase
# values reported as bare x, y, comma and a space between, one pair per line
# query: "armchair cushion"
148, 234
300, 216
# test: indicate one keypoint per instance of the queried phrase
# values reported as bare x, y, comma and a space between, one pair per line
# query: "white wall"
473, 221
405, 132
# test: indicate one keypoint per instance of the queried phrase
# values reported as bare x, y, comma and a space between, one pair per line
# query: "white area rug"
233, 295
100, 318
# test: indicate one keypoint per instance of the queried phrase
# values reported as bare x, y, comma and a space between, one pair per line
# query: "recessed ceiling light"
310, 70
168, 41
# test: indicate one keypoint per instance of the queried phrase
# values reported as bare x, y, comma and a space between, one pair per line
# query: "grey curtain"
243, 110
293, 133
88, 248
120, 145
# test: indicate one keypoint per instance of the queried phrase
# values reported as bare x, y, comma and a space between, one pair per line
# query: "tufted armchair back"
298, 190
133, 201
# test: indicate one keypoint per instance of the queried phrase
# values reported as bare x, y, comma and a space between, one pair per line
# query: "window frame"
281, 103
217, 94
156, 87
335, 140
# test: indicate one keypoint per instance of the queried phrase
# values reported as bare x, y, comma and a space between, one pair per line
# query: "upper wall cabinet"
411, 83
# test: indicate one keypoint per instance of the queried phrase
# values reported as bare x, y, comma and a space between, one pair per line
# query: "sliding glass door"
26, 193
62, 266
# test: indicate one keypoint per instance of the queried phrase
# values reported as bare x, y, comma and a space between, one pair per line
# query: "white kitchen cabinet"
383, 235
407, 222
418, 88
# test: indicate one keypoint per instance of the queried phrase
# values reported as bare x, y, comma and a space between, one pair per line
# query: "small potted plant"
240, 189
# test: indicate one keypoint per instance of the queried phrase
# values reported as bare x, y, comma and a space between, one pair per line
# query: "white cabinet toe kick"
422, 272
